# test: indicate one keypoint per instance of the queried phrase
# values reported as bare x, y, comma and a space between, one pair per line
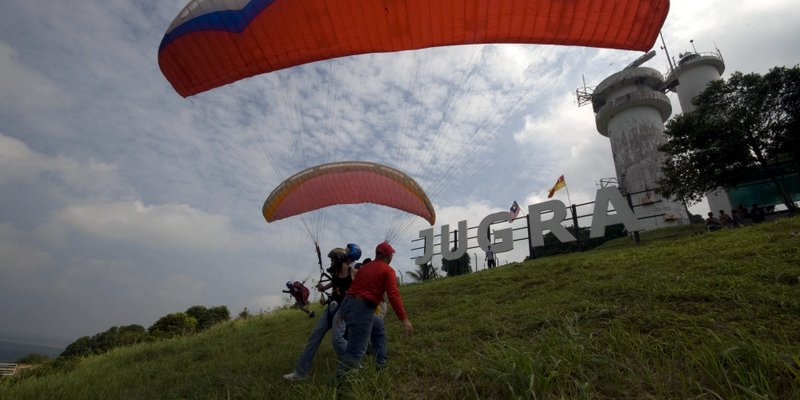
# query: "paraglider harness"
324, 278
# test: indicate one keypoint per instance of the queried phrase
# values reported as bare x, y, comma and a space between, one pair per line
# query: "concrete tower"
630, 109
692, 74
689, 78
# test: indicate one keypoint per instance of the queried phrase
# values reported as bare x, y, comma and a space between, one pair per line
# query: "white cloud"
20, 258
131, 221
472, 212
83, 296
26, 91
19, 163
155, 226
568, 140
265, 303
180, 289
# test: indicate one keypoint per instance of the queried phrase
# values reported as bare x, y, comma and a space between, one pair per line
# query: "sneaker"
294, 376
311, 314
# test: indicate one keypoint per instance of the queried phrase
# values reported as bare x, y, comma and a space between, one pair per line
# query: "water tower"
693, 72
630, 109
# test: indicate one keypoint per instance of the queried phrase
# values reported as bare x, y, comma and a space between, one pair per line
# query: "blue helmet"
289, 284
353, 251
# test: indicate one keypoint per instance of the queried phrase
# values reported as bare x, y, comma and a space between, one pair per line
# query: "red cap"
384, 248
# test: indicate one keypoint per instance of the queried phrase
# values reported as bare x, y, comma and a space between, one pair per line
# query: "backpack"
300, 288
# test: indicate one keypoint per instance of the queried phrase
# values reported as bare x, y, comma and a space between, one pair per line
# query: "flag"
560, 183
514, 210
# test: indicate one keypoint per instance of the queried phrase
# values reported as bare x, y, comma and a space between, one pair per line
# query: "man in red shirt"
365, 293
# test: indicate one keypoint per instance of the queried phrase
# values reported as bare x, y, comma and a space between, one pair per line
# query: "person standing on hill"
377, 340
341, 278
358, 309
490, 262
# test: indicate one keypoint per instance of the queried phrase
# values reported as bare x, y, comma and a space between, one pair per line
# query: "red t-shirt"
375, 279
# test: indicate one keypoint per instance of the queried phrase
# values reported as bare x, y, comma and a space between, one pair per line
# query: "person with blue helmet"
353, 252
341, 271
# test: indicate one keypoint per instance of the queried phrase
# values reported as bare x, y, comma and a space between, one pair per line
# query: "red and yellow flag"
560, 183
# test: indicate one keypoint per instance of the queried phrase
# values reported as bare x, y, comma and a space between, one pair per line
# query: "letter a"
601, 219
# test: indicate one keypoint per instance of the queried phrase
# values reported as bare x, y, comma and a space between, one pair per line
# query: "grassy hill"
704, 315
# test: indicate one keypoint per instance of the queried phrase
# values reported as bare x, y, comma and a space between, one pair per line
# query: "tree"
423, 273
105, 341
208, 317
131, 334
173, 325
219, 314
460, 266
81, 347
739, 131
117, 337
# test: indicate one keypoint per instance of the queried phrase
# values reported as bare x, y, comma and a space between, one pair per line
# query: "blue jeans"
338, 329
359, 316
303, 366
378, 341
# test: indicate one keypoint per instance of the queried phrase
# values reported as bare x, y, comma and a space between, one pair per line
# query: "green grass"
689, 315
656, 235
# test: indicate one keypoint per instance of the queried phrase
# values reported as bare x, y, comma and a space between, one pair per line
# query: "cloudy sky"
121, 202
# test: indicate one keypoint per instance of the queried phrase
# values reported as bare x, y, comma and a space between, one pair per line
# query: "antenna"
666, 52
693, 48
584, 93
606, 182
719, 53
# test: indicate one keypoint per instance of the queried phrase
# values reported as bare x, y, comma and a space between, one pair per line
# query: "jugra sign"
504, 238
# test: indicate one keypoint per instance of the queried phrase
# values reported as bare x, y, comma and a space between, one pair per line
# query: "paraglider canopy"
347, 182
215, 42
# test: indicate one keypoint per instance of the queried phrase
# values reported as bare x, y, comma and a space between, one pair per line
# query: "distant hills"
10, 351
